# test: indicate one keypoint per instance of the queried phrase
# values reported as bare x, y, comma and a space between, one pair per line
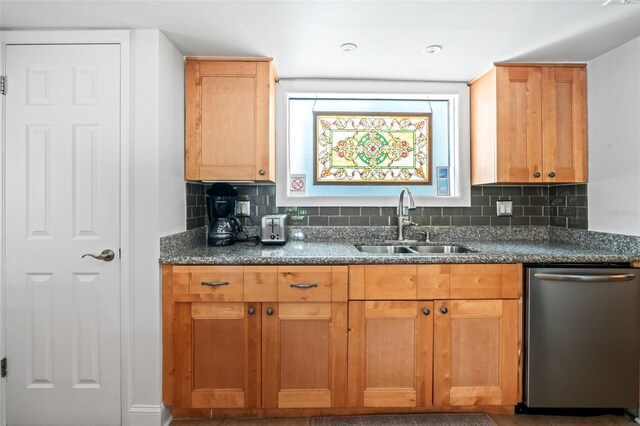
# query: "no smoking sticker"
298, 183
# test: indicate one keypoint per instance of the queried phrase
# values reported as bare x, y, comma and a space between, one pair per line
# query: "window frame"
456, 93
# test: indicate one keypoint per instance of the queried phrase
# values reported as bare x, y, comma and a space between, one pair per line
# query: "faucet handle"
426, 235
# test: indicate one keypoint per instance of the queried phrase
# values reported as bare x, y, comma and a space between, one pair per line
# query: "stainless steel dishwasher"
582, 337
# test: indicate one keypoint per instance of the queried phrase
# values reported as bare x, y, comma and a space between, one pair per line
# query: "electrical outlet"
243, 207
504, 208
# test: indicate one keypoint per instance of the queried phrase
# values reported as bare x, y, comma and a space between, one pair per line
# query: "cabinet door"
390, 354
217, 355
304, 355
564, 134
476, 344
519, 138
227, 121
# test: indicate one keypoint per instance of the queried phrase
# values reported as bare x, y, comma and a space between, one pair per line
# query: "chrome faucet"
403, 219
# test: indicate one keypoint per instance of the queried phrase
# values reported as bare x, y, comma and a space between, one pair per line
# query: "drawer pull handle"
303, 285
214, 283
270, 311
426, 311
444, 310
251, 311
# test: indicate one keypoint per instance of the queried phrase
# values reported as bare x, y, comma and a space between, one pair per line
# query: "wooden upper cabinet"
528, 124
519, 131
229, 119
564, 114
476, 344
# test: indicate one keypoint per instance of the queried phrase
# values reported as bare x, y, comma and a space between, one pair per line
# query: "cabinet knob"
444, 310
536, 174
261, 172
269, 311
426, 311
552, 174
251, 311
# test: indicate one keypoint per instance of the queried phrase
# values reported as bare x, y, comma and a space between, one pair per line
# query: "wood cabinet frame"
219, 93
366, 387
468, 384
529, 124
343, 314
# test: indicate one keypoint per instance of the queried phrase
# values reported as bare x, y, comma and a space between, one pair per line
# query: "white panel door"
62, 201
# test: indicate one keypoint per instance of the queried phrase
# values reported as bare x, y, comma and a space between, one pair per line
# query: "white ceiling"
303, 36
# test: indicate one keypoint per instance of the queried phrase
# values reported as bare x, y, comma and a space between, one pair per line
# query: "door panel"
217, 355
519, 124
390, 354
476, 352
564, 105
228, 112
305, 355
62, 158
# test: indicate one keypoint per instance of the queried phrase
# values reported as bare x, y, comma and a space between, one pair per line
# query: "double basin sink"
397, 249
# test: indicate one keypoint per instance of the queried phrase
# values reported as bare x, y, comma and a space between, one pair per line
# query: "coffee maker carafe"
221, 206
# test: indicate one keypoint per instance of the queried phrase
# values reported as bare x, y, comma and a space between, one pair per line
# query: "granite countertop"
344, 253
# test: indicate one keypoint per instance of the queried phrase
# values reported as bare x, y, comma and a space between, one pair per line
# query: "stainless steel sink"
385, 249
432, 249
441, 249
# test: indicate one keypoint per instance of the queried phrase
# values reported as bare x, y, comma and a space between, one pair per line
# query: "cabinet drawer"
390, 282
437, 281
474, 281
260, 284
217, 283
304, 284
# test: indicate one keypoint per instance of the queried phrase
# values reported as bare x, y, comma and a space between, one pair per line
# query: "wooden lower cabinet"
217, 358
261, 355
304, 356
390, 353
300, 344
476, 344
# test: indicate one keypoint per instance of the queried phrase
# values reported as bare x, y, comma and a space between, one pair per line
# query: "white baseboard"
149, 415
165, 416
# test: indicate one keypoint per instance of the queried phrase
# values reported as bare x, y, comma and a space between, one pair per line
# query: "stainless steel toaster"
274, 229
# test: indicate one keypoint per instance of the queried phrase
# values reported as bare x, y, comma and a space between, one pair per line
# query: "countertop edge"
395, 259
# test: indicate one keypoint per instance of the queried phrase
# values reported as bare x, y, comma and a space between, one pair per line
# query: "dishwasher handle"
585, 278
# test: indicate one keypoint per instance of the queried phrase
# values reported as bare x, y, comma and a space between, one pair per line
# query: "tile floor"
500, 419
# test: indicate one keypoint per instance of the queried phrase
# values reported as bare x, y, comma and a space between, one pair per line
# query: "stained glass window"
372, 148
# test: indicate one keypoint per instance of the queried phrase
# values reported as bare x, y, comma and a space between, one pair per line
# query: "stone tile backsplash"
558, 206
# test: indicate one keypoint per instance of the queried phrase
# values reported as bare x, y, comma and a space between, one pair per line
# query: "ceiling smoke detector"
348, 47
620, 2
432, 50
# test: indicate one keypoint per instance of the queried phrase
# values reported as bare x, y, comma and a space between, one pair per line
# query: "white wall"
172, 205
158, 208
614, 140
3, 382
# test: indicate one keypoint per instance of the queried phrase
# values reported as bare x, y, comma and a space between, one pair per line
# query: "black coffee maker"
221, 206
